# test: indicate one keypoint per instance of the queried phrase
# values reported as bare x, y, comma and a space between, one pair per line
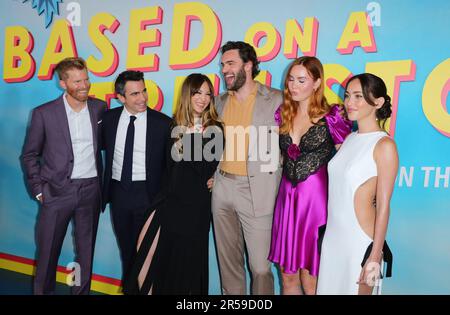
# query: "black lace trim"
316, 148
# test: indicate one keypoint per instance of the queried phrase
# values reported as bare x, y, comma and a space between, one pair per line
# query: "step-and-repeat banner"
405, 42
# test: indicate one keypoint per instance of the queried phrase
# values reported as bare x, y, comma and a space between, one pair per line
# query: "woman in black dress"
172, 250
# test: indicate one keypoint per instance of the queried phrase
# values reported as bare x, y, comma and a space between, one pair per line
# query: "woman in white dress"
361, 182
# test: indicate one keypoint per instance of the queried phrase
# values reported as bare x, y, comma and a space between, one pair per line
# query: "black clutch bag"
321, 234
387, 257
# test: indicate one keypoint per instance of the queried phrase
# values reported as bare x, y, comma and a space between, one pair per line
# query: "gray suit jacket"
47, 154
263, 163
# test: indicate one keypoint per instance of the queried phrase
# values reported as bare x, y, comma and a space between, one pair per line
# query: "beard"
239, 81
74, 93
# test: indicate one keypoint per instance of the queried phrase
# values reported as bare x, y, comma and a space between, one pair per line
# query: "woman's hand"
370, 273
210, 183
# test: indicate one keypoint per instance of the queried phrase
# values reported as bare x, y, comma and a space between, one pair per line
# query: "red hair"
318, 105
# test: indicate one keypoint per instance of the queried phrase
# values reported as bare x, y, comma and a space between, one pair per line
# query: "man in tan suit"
247, 179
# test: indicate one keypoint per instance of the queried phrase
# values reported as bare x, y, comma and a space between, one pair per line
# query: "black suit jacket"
158, 128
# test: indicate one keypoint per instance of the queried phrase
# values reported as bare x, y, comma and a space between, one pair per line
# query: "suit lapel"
261, 114
112, 131
260, 110
93, 117
63, 122
148, 139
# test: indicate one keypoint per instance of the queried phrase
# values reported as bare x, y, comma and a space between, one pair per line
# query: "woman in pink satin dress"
310, 131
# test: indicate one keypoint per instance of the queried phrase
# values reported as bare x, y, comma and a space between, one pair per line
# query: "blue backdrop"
405, 42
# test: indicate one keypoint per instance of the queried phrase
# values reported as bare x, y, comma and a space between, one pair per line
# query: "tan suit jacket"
263, 163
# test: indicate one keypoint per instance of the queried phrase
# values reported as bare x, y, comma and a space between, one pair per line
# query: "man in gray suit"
246, 183
63, 167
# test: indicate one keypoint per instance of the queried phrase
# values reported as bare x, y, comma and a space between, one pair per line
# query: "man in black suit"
134, 139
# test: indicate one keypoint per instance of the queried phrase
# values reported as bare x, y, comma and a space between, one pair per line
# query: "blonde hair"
318, 105
184, 115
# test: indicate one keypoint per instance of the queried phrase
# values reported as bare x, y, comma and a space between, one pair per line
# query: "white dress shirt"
80, 127
140, 135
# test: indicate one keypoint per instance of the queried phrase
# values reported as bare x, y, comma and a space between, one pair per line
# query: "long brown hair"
318, 105
184, 115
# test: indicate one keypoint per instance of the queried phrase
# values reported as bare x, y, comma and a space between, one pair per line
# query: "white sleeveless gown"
345, 243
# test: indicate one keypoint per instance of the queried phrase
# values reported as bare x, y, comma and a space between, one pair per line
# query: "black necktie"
127, 166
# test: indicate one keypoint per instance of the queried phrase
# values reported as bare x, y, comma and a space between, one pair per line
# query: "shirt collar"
69, 109
138, 115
